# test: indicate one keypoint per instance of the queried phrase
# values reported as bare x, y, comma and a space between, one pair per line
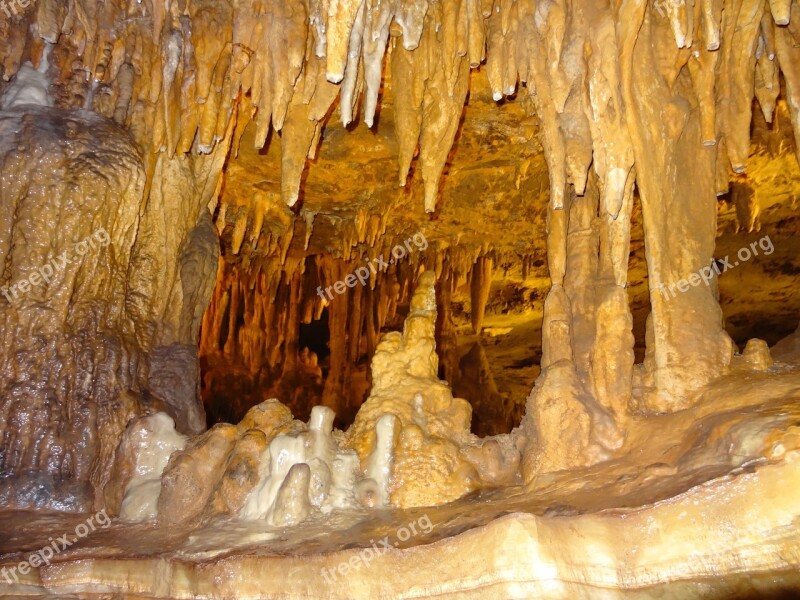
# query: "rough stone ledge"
712, 532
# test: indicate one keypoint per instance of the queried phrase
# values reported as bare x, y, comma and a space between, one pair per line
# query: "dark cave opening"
315, 337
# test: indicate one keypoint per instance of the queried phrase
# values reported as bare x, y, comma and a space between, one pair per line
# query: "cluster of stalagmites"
409, 446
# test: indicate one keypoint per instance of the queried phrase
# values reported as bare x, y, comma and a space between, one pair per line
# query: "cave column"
612, 357
557, 321
333, 393
687, 345
581, 275
291, 347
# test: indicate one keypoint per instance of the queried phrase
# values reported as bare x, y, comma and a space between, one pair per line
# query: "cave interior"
400, 299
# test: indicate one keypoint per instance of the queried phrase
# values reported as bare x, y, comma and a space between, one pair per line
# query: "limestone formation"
420, 442
270, 269
412, 438
142, 456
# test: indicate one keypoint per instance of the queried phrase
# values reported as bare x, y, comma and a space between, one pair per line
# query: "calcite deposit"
410, 446
399, 298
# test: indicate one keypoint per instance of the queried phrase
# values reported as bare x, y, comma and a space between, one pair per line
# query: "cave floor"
740, 440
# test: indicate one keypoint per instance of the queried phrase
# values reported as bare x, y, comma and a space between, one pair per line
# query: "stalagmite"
379, 462
292, 504
144, 453
188, 481
432, 425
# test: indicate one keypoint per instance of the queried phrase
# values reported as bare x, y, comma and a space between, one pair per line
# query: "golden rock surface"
675, 518
198, 138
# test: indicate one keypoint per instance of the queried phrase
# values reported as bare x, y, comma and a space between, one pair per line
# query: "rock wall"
633, 98
102, 282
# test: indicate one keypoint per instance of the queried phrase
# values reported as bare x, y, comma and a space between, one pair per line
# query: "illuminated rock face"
98, 300
146, 148
69, 217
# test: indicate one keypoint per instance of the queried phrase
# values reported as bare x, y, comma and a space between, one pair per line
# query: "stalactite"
781, 10
333, 394
480, 287
409, 90
740, 39
379, 16
612, 147
767, 81
301, 128
217, 63
292, 328
410, 16
545, 40
702, 68
788, 53
445, 328
353, 72
341, 16
476, 33
441, 113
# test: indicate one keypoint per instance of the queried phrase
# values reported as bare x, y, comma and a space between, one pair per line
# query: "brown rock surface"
586, 185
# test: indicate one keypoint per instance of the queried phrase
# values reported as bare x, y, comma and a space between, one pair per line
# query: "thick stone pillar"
675, 176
